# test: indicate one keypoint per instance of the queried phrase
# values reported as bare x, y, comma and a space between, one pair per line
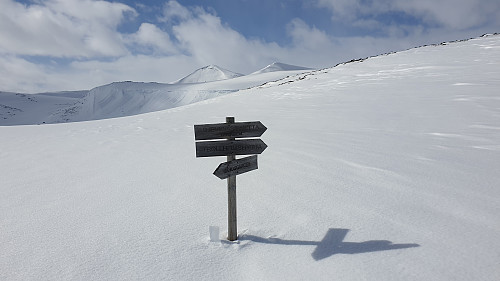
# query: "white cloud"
341, 9
134, 67
307, 37
172, 10
203, 36
20, 75
152, 39
62, 28
452, 14
448, 14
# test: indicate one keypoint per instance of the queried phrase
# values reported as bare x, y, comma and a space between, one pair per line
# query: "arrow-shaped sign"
229, 130
230, 148
225, 148
236, 167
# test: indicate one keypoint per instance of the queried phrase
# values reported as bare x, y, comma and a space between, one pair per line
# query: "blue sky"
51, 45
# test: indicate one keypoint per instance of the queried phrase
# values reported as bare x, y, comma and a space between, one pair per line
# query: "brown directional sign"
229, 130
236, 167
233, 147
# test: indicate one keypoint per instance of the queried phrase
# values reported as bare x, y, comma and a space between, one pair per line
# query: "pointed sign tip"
236, 167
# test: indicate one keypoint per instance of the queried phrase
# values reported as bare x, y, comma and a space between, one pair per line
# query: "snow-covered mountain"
381, 169
130, 98
125, 98
278, 66
208, 73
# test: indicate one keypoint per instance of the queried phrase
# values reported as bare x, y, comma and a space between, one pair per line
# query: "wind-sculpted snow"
129, 98
121, 99
381, 169
278, 66
208, 73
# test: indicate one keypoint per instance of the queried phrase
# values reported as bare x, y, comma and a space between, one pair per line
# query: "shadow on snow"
333, 244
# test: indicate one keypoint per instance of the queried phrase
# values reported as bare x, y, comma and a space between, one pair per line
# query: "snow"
385, 169
278, 66
120, 99
17, 109
208, 73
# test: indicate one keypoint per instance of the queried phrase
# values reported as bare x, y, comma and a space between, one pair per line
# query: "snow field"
385, 169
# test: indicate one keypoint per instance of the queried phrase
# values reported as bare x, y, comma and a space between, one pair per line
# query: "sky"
58, 45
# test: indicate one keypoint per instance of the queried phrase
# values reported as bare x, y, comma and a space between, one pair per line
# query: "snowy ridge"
117, 99
131, 98
278, 66
208, 73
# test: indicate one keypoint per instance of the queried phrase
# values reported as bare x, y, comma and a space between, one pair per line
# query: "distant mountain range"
212, 73
208, 73
127, 98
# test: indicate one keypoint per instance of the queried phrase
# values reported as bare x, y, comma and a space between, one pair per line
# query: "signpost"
230, 148
236, 167
229, 130
234, 147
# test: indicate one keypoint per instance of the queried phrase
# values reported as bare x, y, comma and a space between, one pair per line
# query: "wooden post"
230, 148
232, 233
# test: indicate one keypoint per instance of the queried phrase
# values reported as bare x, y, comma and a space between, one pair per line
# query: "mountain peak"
208, 73
278, 66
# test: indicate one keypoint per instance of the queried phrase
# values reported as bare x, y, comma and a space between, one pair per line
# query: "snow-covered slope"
385, 169
131, 98
119, 99
21, 109
278, 66
208, 73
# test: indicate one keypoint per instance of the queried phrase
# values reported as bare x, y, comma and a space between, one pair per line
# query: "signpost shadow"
333, 244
